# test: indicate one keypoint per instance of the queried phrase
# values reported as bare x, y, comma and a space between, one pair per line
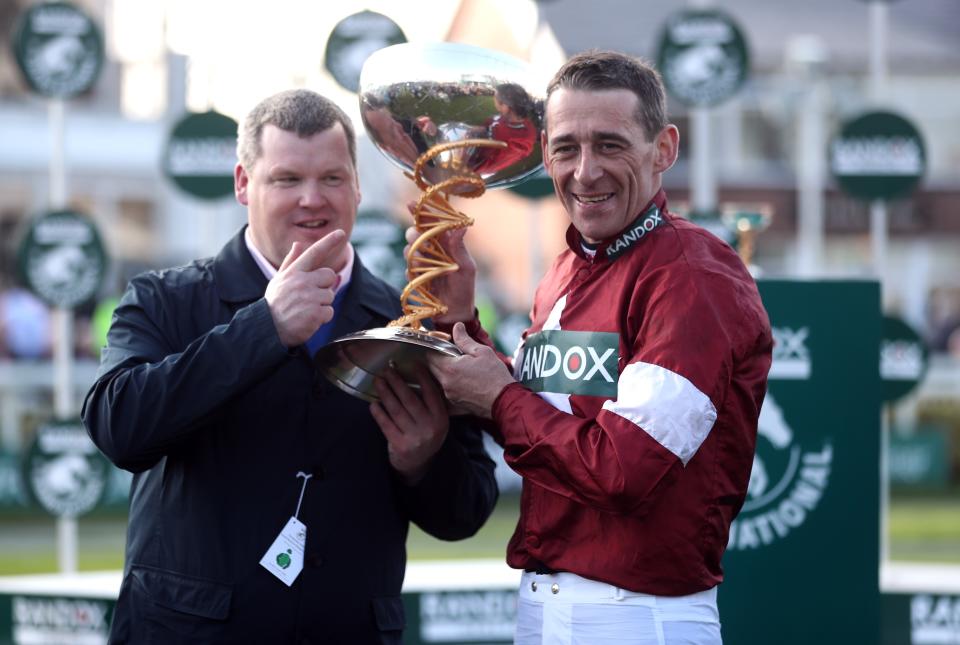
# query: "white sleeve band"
666, 406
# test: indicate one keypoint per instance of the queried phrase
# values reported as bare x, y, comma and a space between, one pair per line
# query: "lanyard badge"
284, 558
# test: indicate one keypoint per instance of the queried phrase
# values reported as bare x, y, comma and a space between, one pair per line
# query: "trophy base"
352, 362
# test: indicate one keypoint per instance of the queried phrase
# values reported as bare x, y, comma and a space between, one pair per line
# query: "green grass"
28, 544
46, 562
921, 530
489, 542
925, 530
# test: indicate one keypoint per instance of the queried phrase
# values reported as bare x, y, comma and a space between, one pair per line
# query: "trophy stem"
427, 260
745, 246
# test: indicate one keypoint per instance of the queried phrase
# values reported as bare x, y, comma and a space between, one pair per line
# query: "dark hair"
610, 70
300, 111
516, 98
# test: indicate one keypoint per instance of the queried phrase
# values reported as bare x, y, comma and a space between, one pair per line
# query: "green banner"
480, 616
801, 565
458, 617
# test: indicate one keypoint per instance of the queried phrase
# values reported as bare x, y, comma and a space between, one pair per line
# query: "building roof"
923, 35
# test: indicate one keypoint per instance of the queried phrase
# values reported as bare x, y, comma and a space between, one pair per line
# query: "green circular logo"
903, 359
58, 48
353, 40
63, 471
201, 154
61, 258
702, 56
878, 155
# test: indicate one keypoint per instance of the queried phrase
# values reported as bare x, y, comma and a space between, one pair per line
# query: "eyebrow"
595, 136
292, 170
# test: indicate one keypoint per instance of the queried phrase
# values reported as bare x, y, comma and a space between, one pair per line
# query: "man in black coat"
267, 506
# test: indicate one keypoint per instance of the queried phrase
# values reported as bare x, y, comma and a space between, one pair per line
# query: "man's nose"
312, 195
588, 167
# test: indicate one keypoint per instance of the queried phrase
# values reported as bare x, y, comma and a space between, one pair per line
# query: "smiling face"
604, 168
299, 189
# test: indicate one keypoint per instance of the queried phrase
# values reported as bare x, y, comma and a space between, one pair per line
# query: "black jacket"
199, 399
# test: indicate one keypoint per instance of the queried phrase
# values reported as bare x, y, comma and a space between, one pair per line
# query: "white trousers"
566, 609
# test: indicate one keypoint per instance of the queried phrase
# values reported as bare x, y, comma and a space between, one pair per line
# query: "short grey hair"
610, 70
303, 112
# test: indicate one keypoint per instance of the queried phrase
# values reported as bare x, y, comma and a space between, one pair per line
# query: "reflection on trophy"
746, 221
458, 119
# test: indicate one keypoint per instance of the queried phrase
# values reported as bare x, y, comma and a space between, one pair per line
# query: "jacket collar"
652, 216
238, 277
368, 299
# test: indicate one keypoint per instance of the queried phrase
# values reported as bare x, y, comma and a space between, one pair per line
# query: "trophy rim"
357, 380
401, 335
392, 51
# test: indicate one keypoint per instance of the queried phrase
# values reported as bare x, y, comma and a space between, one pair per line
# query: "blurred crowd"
27, 331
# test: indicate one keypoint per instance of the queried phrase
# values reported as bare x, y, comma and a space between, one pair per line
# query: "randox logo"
901, 360
457, 617
878, 155
791, 357
786, 485
650, 220
934, 620
59, 620
570, 362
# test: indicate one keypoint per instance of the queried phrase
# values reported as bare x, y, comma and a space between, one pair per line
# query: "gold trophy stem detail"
433, 215
745, 244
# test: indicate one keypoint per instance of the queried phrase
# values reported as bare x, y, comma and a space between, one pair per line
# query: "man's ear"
240, 182
668, 147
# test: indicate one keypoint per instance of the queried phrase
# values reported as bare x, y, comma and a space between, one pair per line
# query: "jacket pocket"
186, 594
169, 608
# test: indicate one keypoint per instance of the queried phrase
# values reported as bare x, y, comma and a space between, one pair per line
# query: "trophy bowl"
417, 96
457, 120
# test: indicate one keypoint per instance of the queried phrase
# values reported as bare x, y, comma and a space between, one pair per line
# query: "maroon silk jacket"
634, 420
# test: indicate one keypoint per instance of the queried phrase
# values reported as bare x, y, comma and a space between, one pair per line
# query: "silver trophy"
458, 120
